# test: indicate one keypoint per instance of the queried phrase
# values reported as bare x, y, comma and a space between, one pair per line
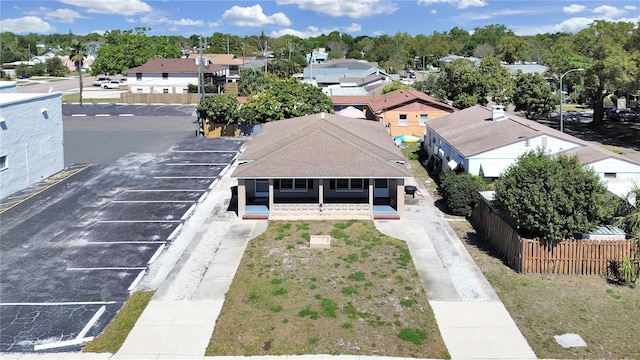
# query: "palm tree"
78, 52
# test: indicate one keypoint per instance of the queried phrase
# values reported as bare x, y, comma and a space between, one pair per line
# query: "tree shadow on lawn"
478, 241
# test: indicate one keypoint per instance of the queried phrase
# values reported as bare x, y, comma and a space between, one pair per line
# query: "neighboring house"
486, 141
451, 58
31, 139
346, 77
172, 76
318, 56
321, 166
526, 68
231, 61
403, 112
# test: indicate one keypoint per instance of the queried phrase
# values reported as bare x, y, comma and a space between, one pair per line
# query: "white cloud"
499, 13
338, 8
119, 7
433, 11
608, 12
59, 15
25, 25
154, 19
460, 4
253, 16
573, 9
630, 7
572, 25
314, 31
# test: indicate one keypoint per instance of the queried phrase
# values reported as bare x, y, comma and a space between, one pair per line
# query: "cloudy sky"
305, 18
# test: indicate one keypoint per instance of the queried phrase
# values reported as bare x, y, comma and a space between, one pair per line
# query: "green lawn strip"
543, 306
117, 331
359, 297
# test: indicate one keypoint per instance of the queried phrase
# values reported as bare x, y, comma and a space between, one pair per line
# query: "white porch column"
270, 194
242, 198
321, 192
371, 182
400, 197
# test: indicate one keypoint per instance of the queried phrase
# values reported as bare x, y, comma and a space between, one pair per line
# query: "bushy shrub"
460, 192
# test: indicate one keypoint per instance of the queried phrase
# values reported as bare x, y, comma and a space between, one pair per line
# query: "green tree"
609, 62
496, 82
462, 84
252, 81
55, 67
220, 108
461, 192
552, 198
38, 69
78, 53
284, 100
284, 68
533, 95
396, 85
511, 49
126, 49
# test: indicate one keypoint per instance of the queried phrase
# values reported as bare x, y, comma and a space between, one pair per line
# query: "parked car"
23, 76
101, 81
623, 115
112, 84
123, 81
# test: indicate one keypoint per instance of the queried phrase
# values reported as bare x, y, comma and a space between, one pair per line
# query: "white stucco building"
31, 139
486, 141
8, 87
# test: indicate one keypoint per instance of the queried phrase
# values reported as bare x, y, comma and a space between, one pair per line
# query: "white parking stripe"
136, 280
78, 114
59, 303
125, 115
103, 115
149, 201
196, 164
138, 221
62, 344
107, 268
125, 242
91, 322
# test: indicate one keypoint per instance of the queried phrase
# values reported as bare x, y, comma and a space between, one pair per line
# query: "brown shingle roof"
173, 66
471, 131
392, 100
322, 145
219, 59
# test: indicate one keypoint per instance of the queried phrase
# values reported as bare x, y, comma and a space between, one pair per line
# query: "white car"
100, 81
112, 84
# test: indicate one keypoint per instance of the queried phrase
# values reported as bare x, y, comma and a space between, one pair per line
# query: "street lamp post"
562, 97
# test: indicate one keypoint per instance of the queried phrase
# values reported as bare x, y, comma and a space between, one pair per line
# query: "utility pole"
200, 72
266, 57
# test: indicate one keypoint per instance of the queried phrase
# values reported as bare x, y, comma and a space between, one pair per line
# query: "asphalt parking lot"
73, 252
107, 110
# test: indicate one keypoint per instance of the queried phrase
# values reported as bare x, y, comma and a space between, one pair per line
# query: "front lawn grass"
362, 296
606, 316
118, 329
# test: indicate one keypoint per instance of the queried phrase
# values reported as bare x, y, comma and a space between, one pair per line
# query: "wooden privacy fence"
573, 256
153, 98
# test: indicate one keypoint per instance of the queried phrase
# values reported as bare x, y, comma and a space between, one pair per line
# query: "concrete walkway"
473, 321
196, 271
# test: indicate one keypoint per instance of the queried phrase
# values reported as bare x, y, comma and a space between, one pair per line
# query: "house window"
293, 184
138, 76
185, 91
349, 184
423, 119
165, 91
402, 120
165, 76
610, 175
3, 162
139, 90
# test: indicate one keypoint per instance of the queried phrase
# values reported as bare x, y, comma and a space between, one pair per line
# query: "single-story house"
486, 141
403, 112
321, 166
172, 76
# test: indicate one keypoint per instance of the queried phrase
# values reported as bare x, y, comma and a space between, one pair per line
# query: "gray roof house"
346, 77
486, 141
321, 166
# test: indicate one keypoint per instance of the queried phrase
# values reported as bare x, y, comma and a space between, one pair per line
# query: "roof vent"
497, 113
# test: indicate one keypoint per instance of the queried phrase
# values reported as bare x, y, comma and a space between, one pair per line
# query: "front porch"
320, 199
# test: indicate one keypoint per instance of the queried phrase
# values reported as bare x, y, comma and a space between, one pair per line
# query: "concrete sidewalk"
473, 321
